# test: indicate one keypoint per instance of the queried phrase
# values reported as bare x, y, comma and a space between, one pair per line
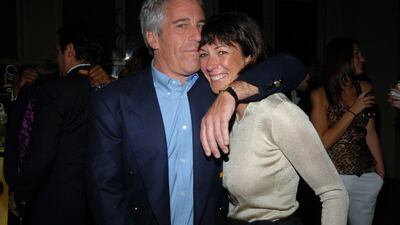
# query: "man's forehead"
184, 10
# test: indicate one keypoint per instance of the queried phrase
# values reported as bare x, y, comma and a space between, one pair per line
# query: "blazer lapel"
145, 130
200, 98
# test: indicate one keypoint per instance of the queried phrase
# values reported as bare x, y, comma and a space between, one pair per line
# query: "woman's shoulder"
275, 99
365, 85
277, 102
318, 94
269, 103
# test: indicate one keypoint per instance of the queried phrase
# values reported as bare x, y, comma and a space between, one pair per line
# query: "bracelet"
232, 93
348, 110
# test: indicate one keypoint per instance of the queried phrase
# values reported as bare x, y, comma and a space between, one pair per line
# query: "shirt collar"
78, 65
164, 83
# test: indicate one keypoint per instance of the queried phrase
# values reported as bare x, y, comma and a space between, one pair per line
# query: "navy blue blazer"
51, 187
127, 171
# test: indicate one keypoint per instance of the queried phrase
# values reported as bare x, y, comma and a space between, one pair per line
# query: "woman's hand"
364, 100
26, 77
380, 170
97, 76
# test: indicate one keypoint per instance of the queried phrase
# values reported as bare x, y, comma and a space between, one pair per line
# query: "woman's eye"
202, 55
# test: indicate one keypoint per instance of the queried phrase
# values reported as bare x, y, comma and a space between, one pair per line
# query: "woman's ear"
248, 59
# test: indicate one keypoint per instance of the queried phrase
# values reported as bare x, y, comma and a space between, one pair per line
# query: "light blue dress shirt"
174, 103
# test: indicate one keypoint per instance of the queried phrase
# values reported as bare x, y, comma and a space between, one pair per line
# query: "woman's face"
358, 60
221, 64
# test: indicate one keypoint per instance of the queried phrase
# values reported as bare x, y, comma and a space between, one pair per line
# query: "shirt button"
184, 127
183, 194
131, 173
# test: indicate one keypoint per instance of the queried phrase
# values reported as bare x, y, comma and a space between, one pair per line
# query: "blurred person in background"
341, 113
50, 186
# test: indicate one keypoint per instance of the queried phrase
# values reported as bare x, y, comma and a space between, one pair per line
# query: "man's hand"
214, 125
97, 76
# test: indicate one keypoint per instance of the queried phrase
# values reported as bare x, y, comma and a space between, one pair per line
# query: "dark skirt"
291, 220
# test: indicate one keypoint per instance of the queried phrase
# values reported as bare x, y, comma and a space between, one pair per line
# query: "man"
18, 134
146, 164
50, 188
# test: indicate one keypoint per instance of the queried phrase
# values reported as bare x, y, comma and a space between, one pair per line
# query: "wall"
38, 22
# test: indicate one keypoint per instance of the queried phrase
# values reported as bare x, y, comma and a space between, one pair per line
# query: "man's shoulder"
137, 79
127, 86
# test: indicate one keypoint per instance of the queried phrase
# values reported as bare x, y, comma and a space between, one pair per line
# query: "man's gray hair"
152, 15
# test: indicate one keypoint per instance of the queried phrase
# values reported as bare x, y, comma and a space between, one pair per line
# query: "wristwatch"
232, 93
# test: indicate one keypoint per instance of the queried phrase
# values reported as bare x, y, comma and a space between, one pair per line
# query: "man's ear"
152, 39
70, 50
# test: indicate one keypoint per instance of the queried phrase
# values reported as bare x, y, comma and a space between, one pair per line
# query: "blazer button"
277, 83
131, 173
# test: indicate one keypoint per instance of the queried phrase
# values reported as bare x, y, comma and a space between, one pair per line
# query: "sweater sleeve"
306, 153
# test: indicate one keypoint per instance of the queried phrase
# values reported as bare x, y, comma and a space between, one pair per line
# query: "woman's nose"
210, 64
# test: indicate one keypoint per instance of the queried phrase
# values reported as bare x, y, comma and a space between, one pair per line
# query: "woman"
341, 114
271, 139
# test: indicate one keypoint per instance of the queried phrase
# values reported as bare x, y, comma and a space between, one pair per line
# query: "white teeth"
217, 77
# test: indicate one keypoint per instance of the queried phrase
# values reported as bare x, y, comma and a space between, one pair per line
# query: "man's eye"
222, 52
183, 25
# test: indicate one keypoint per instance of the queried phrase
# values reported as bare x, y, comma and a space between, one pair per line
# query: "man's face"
65, 59
60, 60
176, 46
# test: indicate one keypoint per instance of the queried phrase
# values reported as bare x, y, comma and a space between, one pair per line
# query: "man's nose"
195, 33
